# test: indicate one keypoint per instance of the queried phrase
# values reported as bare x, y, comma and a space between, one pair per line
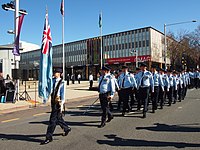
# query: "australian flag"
45, 77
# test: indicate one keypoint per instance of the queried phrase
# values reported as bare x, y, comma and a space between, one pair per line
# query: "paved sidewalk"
74, 92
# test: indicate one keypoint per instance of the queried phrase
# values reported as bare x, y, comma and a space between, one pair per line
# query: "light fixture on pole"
165, 39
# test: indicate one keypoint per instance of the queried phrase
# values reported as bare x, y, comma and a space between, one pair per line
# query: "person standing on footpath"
2, 85
91, 80
106, 90
79, 78
68, 78
57, 99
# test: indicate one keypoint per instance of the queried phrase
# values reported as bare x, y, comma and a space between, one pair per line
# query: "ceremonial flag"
100, 21
45, 78
62, 8
16, 43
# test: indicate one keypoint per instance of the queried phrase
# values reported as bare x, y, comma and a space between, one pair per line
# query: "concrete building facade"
120, 48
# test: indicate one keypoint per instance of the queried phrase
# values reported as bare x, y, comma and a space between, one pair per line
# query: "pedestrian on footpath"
73, 78
106, 92
68, 78
79, 78
57, 100
91, 80
2, 85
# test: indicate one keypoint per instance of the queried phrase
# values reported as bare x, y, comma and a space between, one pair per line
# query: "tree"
184, 46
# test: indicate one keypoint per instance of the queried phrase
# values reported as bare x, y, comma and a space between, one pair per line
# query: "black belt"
126, 88
104, 93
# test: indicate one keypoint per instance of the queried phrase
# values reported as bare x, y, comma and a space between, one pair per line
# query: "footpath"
74, 92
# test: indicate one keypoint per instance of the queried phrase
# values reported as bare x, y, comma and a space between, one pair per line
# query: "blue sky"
81, 17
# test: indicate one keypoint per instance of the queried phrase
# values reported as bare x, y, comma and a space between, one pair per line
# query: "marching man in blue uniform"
106, 93
57, 100
175, 85
145, 82
162, 94
127, 84
171, 87
158, 85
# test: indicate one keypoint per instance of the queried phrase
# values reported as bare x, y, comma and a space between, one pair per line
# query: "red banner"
128, 59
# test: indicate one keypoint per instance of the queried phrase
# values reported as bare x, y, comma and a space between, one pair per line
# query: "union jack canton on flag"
45, 77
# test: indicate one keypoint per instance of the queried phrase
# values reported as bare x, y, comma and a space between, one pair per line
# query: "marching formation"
158, 86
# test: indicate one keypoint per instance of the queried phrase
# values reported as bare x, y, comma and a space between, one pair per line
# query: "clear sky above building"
81, 18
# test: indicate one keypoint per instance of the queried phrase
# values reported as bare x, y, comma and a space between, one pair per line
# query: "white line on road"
39, 114
9, 120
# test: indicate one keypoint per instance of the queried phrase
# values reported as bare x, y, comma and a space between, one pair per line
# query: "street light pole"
165, 39
165, 49
16, 18
14, 6
136, 58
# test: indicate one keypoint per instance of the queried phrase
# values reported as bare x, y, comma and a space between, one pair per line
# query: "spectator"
73, 78
68, 78
8, 77
91, 80
79, 78
2, 84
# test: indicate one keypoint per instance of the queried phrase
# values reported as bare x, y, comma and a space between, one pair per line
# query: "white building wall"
157, 47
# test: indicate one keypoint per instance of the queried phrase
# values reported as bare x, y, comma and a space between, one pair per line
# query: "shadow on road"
171, 128
114, 140
22, 137
71, 123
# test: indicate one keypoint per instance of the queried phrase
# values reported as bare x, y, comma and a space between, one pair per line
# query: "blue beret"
105, 68
59, 70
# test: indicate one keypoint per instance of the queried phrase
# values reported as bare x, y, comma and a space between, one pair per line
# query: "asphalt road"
175, 127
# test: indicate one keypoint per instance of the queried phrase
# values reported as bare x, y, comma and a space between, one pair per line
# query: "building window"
129, 45
140, 44
147, 43
136, 44
143, 43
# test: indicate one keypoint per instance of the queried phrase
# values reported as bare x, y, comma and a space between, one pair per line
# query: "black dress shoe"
46, 141
153, 111
109, 119
66, 132
144, 115
101, 125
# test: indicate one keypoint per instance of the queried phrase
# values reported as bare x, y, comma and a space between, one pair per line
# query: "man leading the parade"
57, 99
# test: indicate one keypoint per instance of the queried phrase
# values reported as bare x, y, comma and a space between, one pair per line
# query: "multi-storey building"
118, 49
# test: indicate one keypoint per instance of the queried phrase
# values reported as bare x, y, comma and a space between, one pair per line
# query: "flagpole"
100, 24
63, 44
